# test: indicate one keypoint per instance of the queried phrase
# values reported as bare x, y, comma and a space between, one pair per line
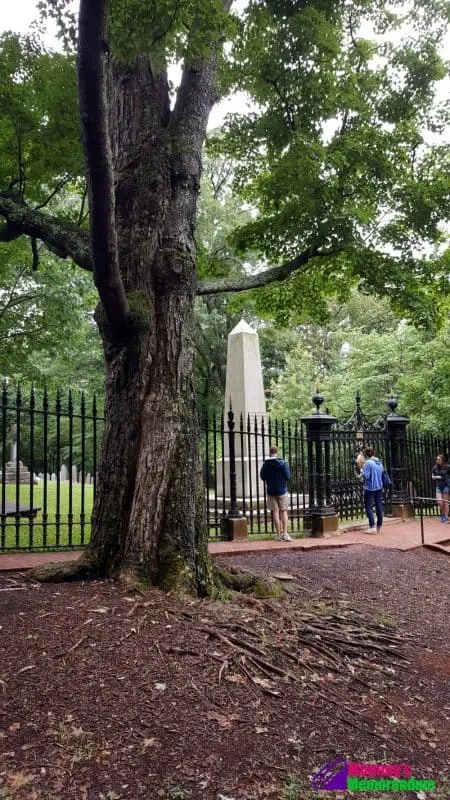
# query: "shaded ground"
108, 694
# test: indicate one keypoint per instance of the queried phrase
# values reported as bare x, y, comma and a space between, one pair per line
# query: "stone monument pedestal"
11, 473
402, 510
247, 472
233, 529
320, 525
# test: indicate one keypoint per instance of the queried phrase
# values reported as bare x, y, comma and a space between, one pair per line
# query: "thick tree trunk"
148, 512
149, 508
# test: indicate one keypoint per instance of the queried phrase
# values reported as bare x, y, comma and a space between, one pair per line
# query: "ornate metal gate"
348, 440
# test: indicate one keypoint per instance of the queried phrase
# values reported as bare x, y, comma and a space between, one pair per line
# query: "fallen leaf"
100, 610
236, 678
261, 730
223, 720
160, 687
25, 669
16, 780
149, 743
15, 726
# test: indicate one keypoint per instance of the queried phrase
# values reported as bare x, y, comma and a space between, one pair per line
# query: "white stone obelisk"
245, 393
244, 388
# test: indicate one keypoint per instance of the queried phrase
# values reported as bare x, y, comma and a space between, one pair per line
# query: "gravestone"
74, 474
64, 473
245, 393
15, 470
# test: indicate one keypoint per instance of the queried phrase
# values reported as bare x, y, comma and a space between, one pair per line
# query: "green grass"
32, 536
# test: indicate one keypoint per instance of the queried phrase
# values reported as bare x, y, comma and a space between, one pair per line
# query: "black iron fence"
251, 440
50, 448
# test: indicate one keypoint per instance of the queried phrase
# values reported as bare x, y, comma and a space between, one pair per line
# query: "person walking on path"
440, 476
372, 473
275, 473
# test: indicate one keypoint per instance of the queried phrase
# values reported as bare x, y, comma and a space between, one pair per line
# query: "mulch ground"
109, 694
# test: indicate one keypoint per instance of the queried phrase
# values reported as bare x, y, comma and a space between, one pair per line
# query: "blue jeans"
371, 498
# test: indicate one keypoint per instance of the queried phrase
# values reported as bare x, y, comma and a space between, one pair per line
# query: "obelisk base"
320, 525
233, 529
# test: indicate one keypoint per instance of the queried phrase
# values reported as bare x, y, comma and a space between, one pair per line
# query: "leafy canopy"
39, 128
47, 334
366, 350
340, 153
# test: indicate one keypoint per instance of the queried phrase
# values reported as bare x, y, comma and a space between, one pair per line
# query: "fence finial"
317, 399
392, 402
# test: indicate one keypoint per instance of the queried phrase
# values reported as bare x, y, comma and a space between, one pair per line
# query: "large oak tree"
332, 160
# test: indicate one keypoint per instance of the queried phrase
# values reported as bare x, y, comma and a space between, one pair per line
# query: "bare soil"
107, 693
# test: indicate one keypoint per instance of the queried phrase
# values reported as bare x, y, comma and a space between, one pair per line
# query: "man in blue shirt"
275, 473
372, 473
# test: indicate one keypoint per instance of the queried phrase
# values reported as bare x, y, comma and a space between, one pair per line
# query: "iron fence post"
233, 526
396, 426
321, 510
233, 510
422, 531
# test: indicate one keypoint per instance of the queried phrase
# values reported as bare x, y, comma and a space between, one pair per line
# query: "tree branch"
9, 232
35, 253
82, 215
197, 93
98, 158
12, 292
18, 301
290, 114
60, 236
55, 191
245, 282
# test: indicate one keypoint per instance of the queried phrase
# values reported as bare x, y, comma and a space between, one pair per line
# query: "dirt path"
107, 694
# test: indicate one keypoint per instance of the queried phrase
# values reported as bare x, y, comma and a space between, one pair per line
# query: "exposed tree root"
84, 568
325, 644
247, 583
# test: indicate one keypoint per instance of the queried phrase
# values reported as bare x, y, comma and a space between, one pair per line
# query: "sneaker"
370, 530
444, 518
286, 538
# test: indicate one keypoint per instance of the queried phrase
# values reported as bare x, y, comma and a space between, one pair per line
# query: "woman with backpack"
374, 483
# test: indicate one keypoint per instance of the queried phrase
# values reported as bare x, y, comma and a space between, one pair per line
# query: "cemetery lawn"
114, 694
33, 536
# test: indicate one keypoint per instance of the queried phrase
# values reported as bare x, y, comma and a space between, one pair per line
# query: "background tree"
47, 332
319, 199
364, 349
